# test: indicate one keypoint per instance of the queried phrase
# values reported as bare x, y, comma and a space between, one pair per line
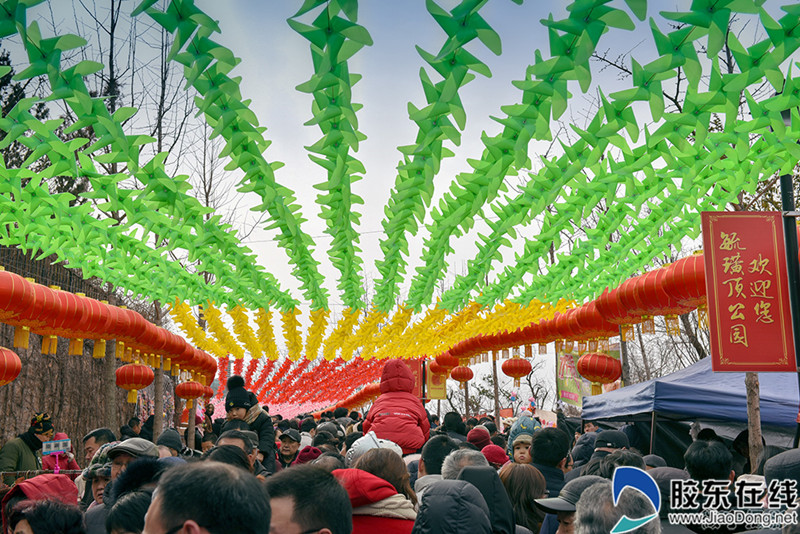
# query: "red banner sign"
750, 321
416, 370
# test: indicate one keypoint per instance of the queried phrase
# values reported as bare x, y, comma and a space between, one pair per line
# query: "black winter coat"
452, 506
501, 512
261, 423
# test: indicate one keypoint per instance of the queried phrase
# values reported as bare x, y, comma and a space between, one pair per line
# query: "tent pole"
652, 431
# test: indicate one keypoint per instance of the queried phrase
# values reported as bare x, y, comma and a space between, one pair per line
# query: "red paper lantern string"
222, 370
251, 368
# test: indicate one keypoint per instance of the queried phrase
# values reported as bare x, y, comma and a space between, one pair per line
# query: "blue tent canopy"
697, 392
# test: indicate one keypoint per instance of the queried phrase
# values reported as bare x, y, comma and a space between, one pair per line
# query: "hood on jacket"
501, 512
363, 488
397, 376
48, 486
452, 506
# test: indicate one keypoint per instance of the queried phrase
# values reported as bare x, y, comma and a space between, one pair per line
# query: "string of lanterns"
669, 291
53, 313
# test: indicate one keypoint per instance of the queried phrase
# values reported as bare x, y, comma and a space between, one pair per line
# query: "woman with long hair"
386, 464
524, 483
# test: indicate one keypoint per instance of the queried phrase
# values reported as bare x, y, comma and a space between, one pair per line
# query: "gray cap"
135, 447
292, 434
569, 495
783, 465
654, 460
334, 429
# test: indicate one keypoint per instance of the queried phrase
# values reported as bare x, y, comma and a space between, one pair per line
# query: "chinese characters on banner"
416, 369
750, 322
436, 385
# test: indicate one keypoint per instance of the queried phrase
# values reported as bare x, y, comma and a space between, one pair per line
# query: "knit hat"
479, 437
237, 397
495, 454
170, 438
97, 470
99, 460
41, 423
308, 454
523, 438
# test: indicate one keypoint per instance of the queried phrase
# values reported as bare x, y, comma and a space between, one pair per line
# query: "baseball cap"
613, 439
569, 495
292, 434
135, 447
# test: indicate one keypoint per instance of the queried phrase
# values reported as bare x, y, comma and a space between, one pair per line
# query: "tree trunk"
158, 386
176, 419
466, 400
192, 411
753, 418
692, 335
623, 356
645, 363
158, 403
110, 417
496, 390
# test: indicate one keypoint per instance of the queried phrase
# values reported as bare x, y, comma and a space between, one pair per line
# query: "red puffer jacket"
377, 507
397, 415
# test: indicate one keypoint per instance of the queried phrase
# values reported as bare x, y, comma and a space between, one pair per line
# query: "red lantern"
436, 369
599, 368
516, 368
685, 282
10, 366
190, 391
655, 301
16, 297
462, 374
134, 377
208, 393
447, 361
43, 315
565, 327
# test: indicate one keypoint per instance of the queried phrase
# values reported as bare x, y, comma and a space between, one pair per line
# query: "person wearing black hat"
607, 441
22, 452
169, 443
242, 404
561, 510
290, 445
651, 461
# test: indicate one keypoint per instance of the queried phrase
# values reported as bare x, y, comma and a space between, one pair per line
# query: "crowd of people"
396, 469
